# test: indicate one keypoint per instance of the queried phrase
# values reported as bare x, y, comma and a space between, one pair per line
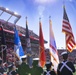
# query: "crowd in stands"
35, 53
71, 56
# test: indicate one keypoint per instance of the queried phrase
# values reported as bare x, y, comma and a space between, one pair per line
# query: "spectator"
12, 70
2, 70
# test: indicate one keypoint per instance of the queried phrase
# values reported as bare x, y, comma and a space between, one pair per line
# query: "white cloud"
70, 0
41, 10
44, 1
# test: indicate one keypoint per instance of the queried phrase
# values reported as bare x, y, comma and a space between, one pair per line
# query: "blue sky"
34, 9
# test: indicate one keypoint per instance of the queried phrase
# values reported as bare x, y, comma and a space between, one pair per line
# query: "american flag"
66, 28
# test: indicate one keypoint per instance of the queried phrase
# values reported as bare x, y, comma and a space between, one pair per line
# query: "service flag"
67, 29
2, 44
53, 49
17, 44
42, 57
28, 47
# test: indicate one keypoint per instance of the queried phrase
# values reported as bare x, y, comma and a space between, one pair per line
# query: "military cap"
64, 53
48, 64
25, 56
35, 58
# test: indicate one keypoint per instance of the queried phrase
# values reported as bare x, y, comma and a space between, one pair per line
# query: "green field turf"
75, 68
74, 73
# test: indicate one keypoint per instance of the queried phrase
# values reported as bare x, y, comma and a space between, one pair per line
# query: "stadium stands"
72, 55
9, 37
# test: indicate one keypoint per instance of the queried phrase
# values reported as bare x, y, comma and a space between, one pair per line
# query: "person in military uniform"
49, 70
36, 69
23, 68
66, 67
2, 70
12, 70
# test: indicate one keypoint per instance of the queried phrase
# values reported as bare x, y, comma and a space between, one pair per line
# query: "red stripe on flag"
69, 49
66, 22
53, 48
68, 39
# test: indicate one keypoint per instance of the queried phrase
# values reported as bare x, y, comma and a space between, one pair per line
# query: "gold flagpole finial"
40, 19
26, 20
50, 22
49, 17
63, 4
26, 17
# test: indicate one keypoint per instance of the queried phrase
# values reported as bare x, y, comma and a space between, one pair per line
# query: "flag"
2, 44
17, 44
66, 28
42, 57
53, 49
28, 47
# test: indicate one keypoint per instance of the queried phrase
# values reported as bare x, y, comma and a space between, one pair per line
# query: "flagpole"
26, 19
65, 34
3, 50
15, 55
28, 47
42, 58
2, 53
3, 46
49, 33
65, 43
69, 39
39, 41
49, 43
14, 51
52, 47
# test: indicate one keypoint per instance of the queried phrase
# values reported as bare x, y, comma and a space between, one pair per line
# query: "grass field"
74, 73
